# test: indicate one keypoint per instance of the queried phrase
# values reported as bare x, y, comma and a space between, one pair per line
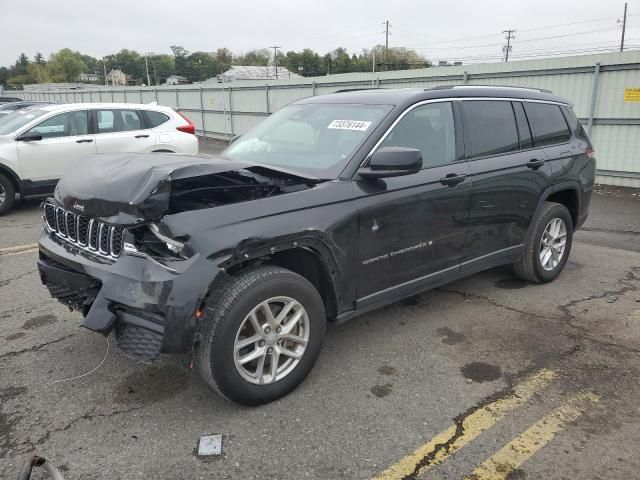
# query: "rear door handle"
452, 179
535, 164
142, 136
85, 140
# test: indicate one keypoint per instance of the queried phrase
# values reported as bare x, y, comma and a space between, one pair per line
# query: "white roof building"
256, 72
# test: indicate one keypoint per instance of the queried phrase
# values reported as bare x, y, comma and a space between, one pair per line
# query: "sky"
464, 30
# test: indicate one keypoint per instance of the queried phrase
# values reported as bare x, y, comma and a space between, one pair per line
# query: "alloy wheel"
553, 244
271, 340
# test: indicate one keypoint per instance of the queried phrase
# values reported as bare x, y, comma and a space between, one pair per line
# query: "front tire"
7, 194
548, 245
261, 335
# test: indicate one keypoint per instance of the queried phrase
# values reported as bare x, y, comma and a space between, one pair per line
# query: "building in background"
117, 78
255, 72
88, 77
176, 80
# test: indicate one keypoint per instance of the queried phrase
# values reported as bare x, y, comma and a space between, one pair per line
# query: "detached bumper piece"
75, 290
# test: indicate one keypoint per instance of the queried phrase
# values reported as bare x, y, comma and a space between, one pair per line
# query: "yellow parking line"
20, 249
516, 452
447, 442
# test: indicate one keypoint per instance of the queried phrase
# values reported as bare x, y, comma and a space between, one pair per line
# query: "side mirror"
29, 137
392, 162
234, 139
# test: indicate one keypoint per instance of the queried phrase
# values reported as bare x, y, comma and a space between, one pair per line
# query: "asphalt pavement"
485, 378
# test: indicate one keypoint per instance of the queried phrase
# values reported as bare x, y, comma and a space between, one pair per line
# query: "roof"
257, 72
65, 106
400, 96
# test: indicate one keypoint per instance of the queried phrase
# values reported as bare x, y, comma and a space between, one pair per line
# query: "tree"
179, 58
38, 58
160, 67
200, 66
91, 63
65, 66
129, 61
253, 57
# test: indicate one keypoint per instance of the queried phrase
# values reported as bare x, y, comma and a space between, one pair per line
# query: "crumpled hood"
129, 188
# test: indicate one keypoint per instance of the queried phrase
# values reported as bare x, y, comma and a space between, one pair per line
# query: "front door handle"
535, 164
85, 140
142, 136
452, 179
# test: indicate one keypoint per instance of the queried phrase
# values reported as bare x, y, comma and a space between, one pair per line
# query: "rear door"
412, 228
508, 177
551, 132
66, 138
122, 130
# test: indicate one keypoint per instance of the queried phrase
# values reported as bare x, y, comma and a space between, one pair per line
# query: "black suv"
333, 206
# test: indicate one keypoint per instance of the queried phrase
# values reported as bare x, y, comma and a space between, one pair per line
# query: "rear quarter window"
155, 119
547, 124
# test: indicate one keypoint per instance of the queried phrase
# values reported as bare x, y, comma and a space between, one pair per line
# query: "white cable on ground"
88, 373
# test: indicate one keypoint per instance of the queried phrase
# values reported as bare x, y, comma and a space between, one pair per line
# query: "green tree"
38, 58
179, 57
129, 61
65, 66
253, 57
160, 67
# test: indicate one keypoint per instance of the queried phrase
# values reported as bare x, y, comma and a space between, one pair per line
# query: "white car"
39, 143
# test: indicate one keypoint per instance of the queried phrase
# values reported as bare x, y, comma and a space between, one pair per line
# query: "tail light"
590, 153
190, 128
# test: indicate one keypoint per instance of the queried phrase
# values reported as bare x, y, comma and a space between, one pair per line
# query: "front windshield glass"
316, 139
12, 122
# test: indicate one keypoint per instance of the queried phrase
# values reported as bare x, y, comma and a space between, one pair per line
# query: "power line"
507, 48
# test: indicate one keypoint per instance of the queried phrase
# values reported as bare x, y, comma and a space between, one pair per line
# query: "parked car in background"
9, 99
10, 107
39, 143
333, 206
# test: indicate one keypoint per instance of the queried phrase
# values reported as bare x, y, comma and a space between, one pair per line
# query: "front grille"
88, 233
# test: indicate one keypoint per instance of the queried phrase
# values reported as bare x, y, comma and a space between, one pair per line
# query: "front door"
65, 140
412, 228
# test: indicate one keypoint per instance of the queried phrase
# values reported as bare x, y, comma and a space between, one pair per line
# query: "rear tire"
7, 194
543, 259
284, 349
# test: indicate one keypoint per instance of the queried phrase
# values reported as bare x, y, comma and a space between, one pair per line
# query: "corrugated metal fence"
600, 86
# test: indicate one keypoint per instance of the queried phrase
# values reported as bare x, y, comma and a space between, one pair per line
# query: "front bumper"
156, 305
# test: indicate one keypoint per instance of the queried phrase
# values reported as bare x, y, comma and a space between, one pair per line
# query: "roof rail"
447, 87
344, 90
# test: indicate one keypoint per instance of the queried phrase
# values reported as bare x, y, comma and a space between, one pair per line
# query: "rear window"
547, 123
491, 126
155, 119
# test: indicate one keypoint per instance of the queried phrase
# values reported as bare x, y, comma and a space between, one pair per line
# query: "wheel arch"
12, 176
305, 260
566, 194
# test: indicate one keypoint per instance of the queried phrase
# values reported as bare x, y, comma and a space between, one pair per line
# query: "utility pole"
624, 27
104, 67
507, 48
146, 64
275, 58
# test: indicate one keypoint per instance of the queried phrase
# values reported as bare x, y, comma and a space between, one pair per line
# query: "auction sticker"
358, 125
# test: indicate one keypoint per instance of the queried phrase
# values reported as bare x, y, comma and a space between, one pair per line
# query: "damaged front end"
106, 252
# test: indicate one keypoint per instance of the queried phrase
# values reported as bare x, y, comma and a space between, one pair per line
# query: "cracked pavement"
385, 384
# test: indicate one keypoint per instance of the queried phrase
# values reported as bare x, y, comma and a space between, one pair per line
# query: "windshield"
317, 139
12, 122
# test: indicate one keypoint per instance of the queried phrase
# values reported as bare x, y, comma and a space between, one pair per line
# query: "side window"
118, 121
428, 128
574, 125
63, 125
547, 123
155, 119
524, 132
491, 127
